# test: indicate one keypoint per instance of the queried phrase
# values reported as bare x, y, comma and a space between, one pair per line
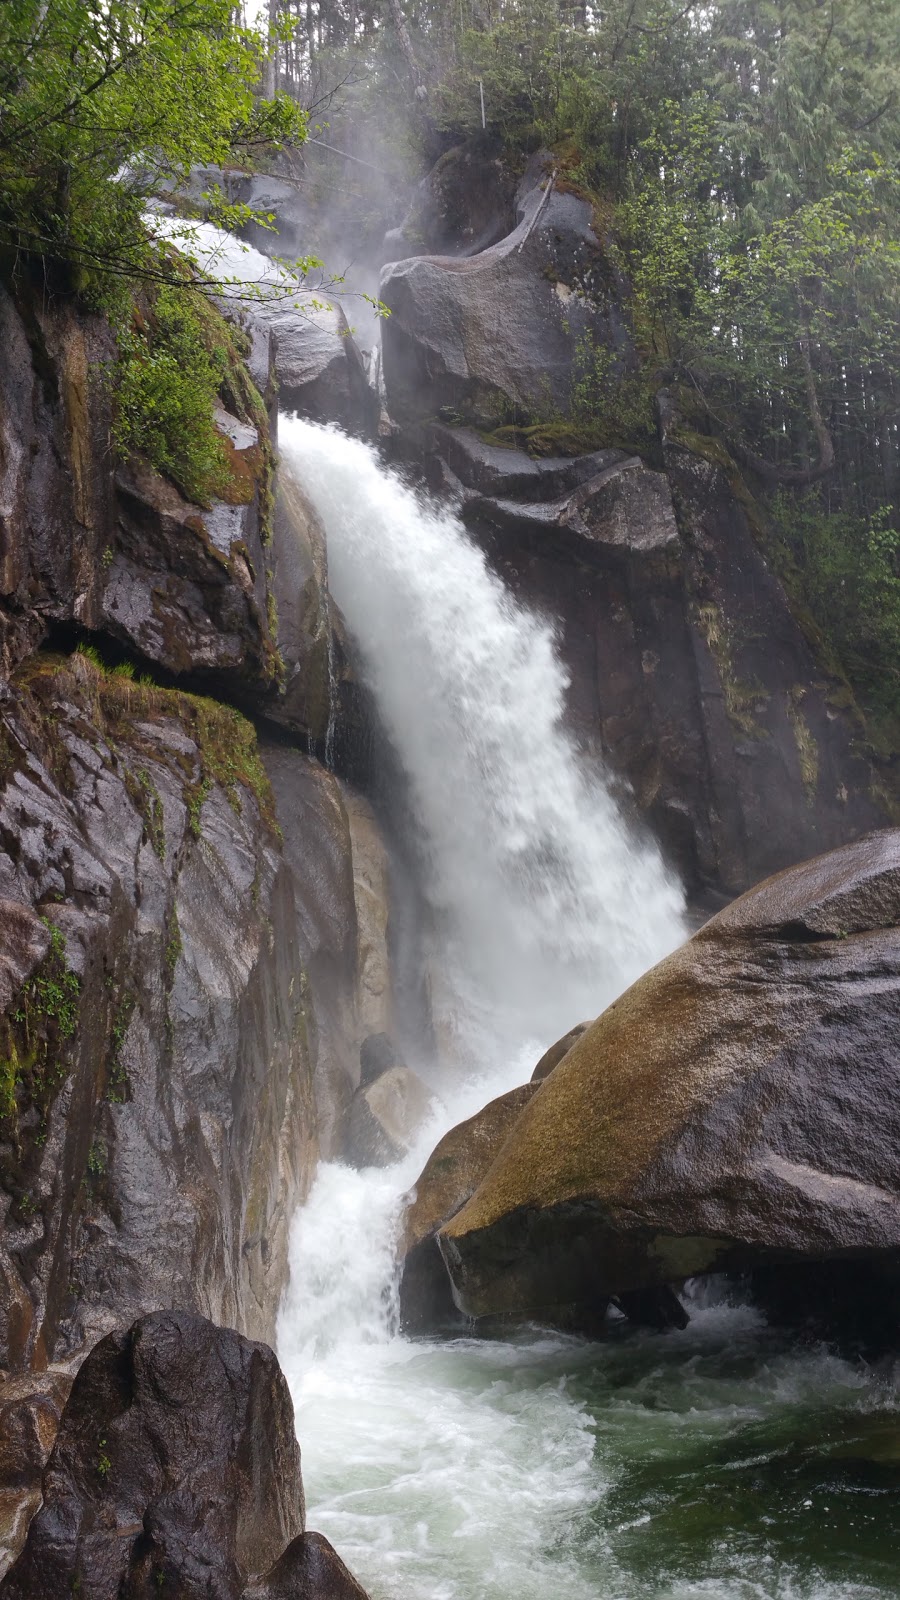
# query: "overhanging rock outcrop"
495, 335
736, 1107
451, 1174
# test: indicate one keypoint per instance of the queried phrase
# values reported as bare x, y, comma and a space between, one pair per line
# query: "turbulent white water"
649, 1468
544, 905
690, 1467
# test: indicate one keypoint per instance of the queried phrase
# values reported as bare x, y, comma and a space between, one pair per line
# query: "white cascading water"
544, 906
489, 1469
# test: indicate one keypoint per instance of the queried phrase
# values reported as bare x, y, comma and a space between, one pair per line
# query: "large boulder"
738, 1106
319, 368
386, 1112
463, 205
176, 1469
494, 336
310, 1569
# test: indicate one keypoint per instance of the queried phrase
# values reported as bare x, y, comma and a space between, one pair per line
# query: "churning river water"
726, 1462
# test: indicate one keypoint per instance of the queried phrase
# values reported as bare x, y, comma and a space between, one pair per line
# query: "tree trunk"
270, 70
797, 476
395, 12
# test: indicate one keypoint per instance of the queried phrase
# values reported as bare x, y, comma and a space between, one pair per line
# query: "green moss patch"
177, 358
34, 1038
116, 704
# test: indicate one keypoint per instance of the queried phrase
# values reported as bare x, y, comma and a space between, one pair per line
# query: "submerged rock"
737, 1106
176, 1469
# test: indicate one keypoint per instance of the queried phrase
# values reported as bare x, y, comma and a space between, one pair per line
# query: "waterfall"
544, 904
535, 1466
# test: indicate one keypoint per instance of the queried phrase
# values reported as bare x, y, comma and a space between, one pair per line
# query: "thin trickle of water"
331, 724
544, 904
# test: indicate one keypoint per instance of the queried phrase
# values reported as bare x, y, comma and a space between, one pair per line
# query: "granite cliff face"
690, 674
181, 941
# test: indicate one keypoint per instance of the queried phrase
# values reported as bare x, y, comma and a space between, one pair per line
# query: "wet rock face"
552, 1057
311, 697
310, 1569
319, 368
30, 1409
495, 335
384, 1116
122, 553
236, 591
176, 1469
689, 674
738, 1106
174, 966
690, 677
465, 204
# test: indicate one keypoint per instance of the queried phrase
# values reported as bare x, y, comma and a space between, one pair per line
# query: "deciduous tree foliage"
102, 99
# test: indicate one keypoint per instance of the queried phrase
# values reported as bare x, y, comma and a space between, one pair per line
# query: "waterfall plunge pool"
725, 1462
